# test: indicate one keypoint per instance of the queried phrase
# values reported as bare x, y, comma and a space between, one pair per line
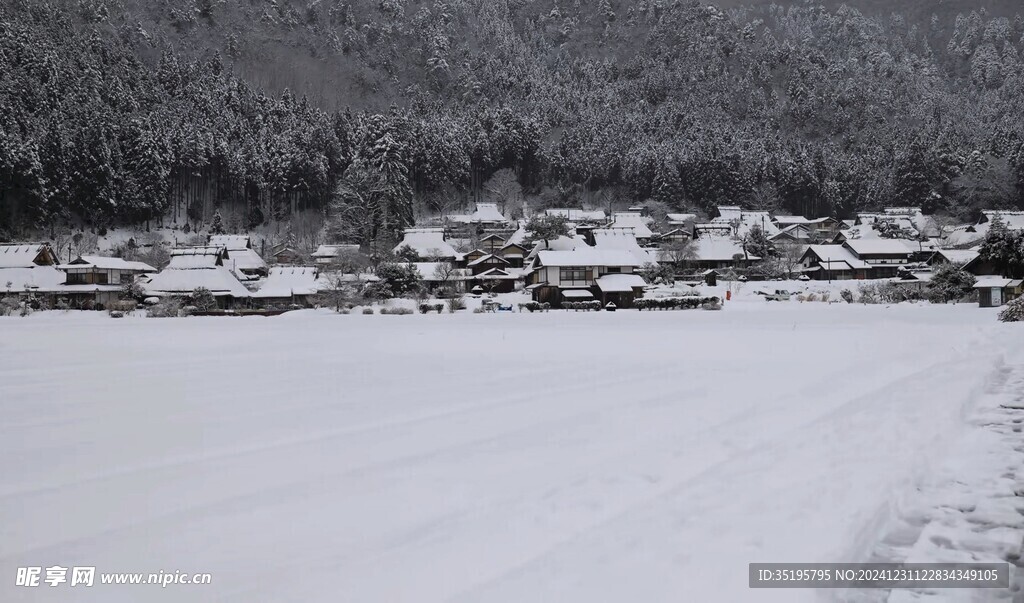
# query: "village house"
743, 221
885, 256
514, 254
682, 221
244, 258
674, 236
492, 242
794, 233
288, 285
586, 274
855, 259
486, 216
429, 244
712, 229
193, 267
634, 220
579, 216
288, 255
833, 263
957, 257
330, 255
995, 291
716, 252
29, 270
98, 280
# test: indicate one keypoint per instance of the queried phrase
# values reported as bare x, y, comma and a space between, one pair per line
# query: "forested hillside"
121, 112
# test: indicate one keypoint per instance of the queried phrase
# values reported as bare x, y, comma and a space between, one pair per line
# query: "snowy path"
474, 458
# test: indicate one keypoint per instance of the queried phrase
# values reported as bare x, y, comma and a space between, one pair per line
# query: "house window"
76, 278
574, 276
613, 269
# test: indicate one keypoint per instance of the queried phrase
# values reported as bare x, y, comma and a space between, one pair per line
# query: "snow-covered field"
501, 458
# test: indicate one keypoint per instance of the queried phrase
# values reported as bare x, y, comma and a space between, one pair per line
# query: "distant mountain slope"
127, 110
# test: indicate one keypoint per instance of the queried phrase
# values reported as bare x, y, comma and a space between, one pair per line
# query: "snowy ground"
513, 457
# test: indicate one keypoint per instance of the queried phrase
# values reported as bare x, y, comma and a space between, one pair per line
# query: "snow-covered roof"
678, 219
836, 253
728, 213
285, 281
485, 212
231, 242
614, 283
799, 231
487, 258
327, 280
957, 256
246, 260
720, 249
1014, 220
966, 234
190, 262
863, 247
632, 219
519, 236
622, 239
333, 251
35, 278
588, 256
790, 220
496, 274
559, 244
106, 263
24, 255
577, 294
985, 282
427, 243
578, 215
173, 281
198, 250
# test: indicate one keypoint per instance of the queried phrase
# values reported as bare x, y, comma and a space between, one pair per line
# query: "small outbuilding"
995, 291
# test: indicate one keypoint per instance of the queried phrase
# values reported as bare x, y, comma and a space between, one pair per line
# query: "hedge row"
585, 306
675, 303
535, 307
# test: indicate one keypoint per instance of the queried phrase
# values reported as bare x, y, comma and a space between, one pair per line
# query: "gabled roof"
622, 239
105, 263
835, 253
247, 260
677, 219
588, 256
427, 243
488, 258
35, 278
231, 242
956, 256
720, 249
578, 215
493, 236
485, 212
333, 251
26, 255
184, 258
285, 281
632, 219
1014, 220
495, 273
863, 247
173, 281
